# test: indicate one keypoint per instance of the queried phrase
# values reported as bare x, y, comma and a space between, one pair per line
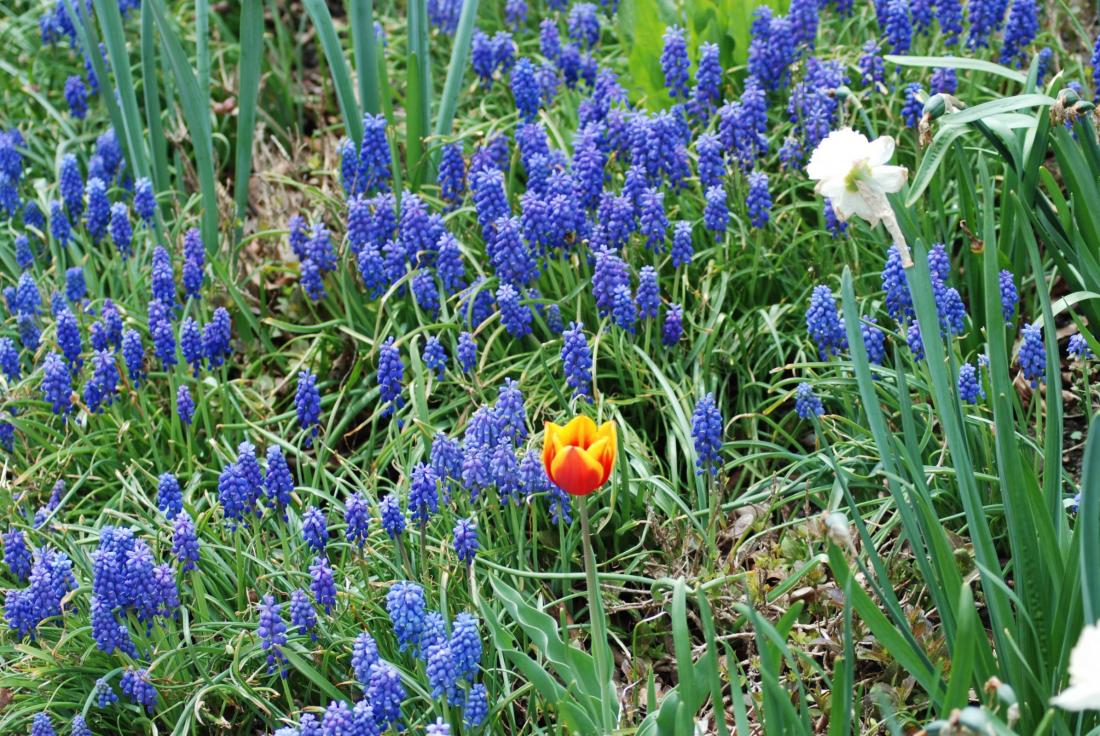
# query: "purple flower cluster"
806, 402
272, 632
706, 432
491, 55
51, 579
823, 323
307, 403
1032, 355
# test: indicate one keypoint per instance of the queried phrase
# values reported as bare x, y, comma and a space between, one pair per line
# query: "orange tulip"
579, 456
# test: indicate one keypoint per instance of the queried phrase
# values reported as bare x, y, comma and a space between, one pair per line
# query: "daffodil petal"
889, 178
833, 157
1085, 696
880, 150
832, 189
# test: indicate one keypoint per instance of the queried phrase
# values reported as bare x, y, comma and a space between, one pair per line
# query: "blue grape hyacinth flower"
675, 64
391, 373
806, 402
272, 632
307, 404
706, 432
576, 358
969, 384
1033, 354
823, 323
465, 540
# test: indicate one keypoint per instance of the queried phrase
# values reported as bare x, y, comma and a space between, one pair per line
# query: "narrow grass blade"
996, 107
911, 659
945, 400
681, 642
962, 659
780, 714
1052, 439
931, 161
1030, 523
925, 537
840, 717
709, 671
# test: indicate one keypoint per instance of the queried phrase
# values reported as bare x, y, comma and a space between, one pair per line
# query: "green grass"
867, 571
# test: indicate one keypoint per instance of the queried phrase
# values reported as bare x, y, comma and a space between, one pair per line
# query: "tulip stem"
598, 630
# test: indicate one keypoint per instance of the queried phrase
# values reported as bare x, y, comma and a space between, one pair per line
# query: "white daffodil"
1083, 692
855, 175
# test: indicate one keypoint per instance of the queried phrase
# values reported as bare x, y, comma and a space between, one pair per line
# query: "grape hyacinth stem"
598, 626
401, 552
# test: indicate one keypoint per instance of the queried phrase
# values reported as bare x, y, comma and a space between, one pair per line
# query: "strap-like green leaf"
957, 62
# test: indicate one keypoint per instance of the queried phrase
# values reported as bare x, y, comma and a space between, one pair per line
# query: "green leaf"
418, 93
456, 69
302, 665
86, 32
996, 107
338, 67
641, 25
708, 667
840, 720
737, 15
365, 44
571, 664
957, 62
1089, 519
197, 114
962, 658
930, 162
251, 43
888, 637
114, 36
533, 672
151, 91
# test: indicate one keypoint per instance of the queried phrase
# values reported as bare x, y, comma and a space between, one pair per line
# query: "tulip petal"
575, 472
605, 449
580, 432
596, 449
549, 446
607, 430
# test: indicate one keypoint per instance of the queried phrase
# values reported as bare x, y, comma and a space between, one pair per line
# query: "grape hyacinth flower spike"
307, 403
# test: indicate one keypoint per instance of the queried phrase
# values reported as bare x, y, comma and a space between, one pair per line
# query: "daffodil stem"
598, 629
884, 211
